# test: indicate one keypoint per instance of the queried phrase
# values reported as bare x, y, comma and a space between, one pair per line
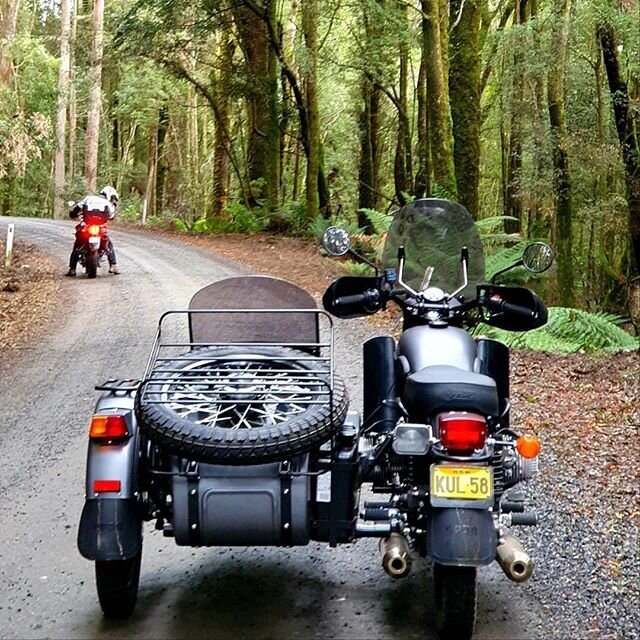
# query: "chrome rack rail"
238, 389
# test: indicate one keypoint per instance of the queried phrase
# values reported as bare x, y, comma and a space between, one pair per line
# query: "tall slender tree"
562, 173
8, 22
464, 94
309, 27
92, 135
438, 101
61, 120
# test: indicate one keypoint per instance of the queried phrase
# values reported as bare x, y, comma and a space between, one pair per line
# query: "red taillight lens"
106, 486
93, 229
462, 432
108, 428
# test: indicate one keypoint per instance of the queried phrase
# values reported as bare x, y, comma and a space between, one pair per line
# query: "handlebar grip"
372, 295
516, 309
354, 299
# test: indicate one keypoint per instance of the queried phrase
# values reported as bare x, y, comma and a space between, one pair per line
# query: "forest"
215, 116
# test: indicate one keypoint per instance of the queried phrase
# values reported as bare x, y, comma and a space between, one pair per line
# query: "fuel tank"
425, 346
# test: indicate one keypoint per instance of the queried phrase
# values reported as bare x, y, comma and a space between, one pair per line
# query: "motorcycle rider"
103, 205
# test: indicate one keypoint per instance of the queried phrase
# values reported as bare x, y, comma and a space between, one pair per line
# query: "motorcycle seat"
441, 388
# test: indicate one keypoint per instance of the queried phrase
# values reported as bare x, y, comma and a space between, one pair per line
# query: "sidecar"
238, 433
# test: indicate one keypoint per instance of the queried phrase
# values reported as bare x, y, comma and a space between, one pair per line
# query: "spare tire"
241, 405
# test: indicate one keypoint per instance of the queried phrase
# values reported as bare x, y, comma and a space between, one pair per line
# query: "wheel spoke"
241, 394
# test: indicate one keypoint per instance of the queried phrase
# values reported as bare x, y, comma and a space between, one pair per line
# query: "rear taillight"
106, 486
108, 429
93, 229
461, 432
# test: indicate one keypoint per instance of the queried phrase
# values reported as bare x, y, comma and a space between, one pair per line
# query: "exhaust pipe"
513, 559
396, 558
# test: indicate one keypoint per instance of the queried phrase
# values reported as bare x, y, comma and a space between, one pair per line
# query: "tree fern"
569, 331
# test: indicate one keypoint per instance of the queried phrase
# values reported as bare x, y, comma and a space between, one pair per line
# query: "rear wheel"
91, 264
117, 583
455, 601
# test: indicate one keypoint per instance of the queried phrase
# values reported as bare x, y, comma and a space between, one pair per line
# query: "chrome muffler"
513, 559
396, 557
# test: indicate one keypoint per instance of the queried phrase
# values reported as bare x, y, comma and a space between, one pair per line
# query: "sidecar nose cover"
444, 388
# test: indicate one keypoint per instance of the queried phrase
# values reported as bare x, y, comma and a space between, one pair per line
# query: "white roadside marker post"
9, 247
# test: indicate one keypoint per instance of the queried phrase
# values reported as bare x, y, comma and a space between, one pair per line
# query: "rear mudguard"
461, 537
110, 529
111, 523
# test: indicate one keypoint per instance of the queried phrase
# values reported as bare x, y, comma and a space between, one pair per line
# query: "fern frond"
569, 331
493, 224
379, 221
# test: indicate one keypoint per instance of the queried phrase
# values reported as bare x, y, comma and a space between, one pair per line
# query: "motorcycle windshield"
433, 232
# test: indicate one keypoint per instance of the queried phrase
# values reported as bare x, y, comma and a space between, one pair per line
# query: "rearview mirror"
537, 257
336, 241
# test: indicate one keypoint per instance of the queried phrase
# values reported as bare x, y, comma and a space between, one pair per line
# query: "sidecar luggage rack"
190, 372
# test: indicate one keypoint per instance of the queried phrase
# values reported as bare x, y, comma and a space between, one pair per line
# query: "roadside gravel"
587, 544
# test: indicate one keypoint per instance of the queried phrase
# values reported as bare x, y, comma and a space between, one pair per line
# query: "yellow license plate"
462, 483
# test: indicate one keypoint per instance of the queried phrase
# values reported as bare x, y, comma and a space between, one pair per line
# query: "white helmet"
110, 194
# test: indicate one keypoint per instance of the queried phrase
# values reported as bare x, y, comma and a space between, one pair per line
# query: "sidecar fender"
111, 523
110, 529
461, 537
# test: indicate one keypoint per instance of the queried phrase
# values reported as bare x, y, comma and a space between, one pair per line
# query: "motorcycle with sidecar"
239, 432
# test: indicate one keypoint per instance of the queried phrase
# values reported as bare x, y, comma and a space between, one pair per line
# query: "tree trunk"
309, 12
422, 185
514, 167
73, 117
626, 119
559, 138
403, 161
95, 98
162, 166
8, 23
149, 208
221, 141
369, 126
464, 93
61, 119
263, 149
438, 102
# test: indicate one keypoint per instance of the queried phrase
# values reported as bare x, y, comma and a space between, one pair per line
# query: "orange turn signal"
108, 428
528, 446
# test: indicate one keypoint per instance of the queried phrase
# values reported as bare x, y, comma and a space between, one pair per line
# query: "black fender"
461, 537
110, 529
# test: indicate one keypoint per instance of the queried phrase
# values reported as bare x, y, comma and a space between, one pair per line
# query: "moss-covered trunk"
263, 145
559, 140
309, 28
438, 101
628, 128
464, 93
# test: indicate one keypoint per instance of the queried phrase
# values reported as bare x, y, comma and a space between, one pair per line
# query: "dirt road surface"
46, 400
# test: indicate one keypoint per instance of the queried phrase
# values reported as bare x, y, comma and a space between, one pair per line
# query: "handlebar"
501, 305
369, 296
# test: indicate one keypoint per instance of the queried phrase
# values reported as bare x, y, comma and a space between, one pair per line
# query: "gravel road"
46, 588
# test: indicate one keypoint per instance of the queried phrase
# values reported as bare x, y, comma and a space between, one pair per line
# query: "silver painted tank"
426, 346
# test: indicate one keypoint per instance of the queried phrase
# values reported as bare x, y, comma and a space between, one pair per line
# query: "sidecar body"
237, 434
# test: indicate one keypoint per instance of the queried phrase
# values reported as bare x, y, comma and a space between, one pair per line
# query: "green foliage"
438, 191
379, 221
236, 219
318, 226
569, 331
292, 217
358, 268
